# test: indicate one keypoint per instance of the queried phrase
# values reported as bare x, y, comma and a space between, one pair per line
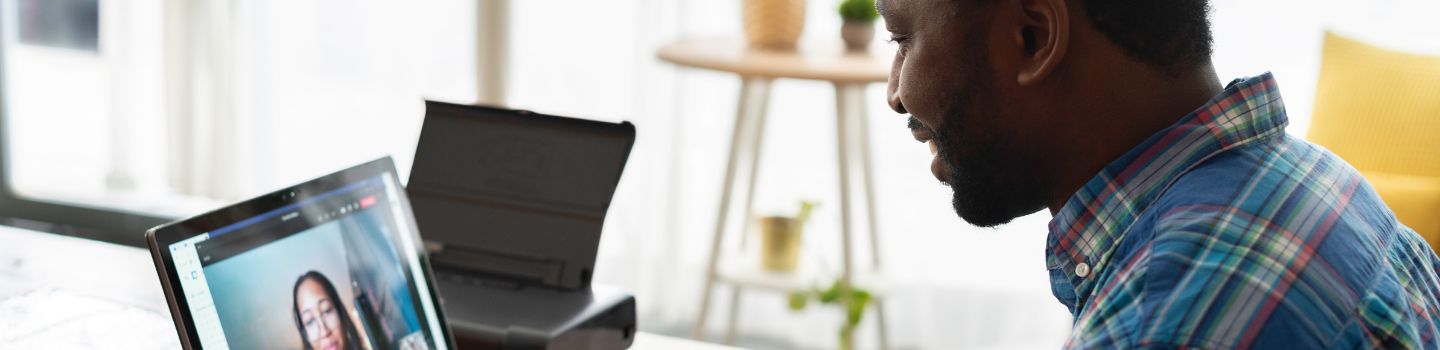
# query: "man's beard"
982, 195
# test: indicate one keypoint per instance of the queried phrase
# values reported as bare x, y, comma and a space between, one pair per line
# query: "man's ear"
1044, 34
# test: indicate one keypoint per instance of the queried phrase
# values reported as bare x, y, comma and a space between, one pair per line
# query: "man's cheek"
918, 89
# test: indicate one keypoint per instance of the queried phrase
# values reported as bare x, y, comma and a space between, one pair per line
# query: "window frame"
127, 226
93, 222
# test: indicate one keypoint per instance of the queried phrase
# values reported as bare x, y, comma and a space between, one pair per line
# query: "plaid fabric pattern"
1222, 231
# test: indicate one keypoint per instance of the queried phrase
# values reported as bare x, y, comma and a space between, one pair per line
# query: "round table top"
814, 62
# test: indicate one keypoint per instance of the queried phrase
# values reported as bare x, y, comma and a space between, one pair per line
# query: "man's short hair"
1172, 35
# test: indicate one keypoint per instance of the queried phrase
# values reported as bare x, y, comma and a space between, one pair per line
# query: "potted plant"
780, 239
859, 23
773, 24
854, 310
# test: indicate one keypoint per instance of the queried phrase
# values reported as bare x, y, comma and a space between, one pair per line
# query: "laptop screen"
339, 269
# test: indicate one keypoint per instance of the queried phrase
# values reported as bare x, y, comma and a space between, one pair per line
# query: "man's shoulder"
1269, 184
1240, 245
1270, 208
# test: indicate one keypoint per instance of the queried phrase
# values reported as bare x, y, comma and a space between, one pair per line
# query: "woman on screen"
320, 315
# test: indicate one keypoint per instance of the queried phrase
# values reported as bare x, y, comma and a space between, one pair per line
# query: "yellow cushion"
1415, 200
1378, 109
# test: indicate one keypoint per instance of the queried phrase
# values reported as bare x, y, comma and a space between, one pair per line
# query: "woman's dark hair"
352, 337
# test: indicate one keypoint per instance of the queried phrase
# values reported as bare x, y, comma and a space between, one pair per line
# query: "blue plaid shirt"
1222, 231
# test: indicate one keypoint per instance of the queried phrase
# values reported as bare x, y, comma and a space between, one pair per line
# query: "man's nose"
892, 88
894, 99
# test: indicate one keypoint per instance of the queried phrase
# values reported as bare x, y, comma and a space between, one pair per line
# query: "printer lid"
515, 193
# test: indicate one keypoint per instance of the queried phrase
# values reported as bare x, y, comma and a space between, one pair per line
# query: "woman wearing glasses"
321, 316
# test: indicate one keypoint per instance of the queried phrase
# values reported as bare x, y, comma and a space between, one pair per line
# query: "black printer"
511, 204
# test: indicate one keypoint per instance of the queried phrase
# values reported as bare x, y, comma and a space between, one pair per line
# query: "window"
71, 24
164, 108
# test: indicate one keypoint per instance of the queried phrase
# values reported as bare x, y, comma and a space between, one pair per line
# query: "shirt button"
1082, 270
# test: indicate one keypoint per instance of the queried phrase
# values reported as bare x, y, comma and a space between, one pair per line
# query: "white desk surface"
651, 341
59, 292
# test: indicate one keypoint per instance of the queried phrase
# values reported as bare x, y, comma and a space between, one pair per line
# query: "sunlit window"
170, 107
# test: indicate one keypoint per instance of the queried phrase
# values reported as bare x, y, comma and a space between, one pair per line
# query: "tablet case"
516, 194
512, 204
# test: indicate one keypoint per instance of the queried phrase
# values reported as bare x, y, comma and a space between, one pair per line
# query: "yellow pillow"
1415, 200
1379, 109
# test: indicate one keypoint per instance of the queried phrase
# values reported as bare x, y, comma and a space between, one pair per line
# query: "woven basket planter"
773, 24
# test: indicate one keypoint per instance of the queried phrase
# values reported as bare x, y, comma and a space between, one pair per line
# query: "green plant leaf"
805, 208
798, 300
856, 310
858, 10
860, 294
830, 296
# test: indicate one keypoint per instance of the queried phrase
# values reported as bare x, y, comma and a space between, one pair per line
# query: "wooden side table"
850, 73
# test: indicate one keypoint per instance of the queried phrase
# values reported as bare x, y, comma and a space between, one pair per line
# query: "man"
1184, 215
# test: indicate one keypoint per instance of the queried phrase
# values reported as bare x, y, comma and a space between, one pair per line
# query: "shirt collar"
1094, 219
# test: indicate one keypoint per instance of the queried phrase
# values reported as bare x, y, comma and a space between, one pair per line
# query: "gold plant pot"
773, 24
780, 239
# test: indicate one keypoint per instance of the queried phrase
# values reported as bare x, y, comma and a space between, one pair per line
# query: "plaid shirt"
1221, 231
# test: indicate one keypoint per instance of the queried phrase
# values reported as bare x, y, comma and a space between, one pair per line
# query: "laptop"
332, 263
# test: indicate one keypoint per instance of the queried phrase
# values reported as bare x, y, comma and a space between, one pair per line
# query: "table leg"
734, 314
740, 137
867, 170
852, 98
842, 140
880, 324
762, 107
